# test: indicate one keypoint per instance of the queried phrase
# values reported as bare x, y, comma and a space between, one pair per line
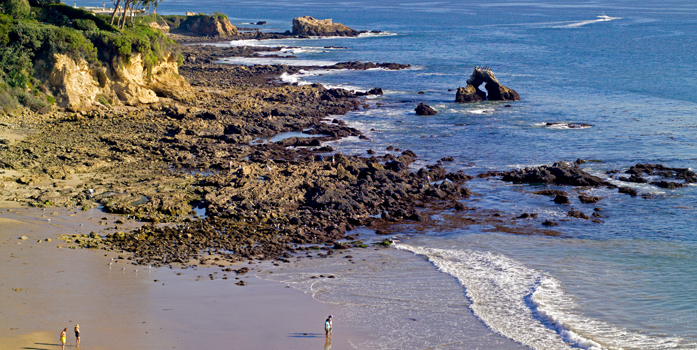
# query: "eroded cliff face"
308, 26
78, 87
208, 26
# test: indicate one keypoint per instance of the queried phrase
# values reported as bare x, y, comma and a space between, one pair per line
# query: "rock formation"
424, 109
308, 26
496, 91
77, 86
203, 25
559, 173
163, 27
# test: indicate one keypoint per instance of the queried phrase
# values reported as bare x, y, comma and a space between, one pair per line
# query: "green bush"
5, 27
15, 66
42, 3
86, 25
76, 13
7, 101
39, 39
149, 42
174, 21
50, 15
31, 101
18, 9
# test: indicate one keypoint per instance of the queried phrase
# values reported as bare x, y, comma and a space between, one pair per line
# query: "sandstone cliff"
203, 25
79, 87
494, 90
320, 27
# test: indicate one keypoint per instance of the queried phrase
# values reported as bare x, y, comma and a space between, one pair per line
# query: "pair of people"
64, 335
328, 326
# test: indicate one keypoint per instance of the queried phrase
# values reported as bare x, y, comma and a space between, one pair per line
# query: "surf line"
528, 305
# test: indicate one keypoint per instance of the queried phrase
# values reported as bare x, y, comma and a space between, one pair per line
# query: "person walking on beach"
63, 337
77, 335
328, 326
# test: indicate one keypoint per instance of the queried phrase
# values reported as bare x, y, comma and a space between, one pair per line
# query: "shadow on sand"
306, 335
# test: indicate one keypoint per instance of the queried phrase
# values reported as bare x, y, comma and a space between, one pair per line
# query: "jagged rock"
588, 199
577, 214
424, 109
74, 87
469, 94
559, 173
669, 184
628, 190
320, 27
551, 193
663, 171
559, 199
496, 91
204, 25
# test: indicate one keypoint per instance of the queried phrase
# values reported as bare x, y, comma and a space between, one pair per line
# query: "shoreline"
60, 287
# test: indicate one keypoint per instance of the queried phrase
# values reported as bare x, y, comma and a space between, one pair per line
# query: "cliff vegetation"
44, 42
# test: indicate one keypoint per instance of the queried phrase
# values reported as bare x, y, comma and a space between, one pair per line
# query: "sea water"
628, 282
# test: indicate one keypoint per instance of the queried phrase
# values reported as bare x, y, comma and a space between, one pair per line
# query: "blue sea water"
629, 282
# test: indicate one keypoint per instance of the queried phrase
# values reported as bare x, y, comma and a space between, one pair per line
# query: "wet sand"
45, 289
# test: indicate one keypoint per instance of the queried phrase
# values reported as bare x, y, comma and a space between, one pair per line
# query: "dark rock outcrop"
588, 199
496, 91
628, 190
308, 26
559, 173
560, 199
424, 109
577, 214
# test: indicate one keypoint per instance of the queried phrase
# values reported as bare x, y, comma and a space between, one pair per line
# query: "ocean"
628, 282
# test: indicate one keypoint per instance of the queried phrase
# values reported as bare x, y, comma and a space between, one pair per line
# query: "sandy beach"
45, 289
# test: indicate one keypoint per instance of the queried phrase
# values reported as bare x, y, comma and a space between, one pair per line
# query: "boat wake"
601, 18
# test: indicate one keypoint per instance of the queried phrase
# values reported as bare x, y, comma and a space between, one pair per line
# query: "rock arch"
496, 91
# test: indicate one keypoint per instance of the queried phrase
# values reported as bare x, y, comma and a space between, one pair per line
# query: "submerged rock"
496, 91
424, 109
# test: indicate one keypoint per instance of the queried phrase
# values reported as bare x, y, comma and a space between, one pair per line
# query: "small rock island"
496, 91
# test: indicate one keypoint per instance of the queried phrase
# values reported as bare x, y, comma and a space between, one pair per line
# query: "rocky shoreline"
263, 200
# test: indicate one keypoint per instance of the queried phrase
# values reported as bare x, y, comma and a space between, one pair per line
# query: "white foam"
481, 111
249, 61
528, 305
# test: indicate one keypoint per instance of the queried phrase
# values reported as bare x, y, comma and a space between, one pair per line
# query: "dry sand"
45, 289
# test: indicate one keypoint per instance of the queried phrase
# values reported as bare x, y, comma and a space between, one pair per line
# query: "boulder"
559, 199
469, 93
577, 214
559, 173
496, 91
308, 26
424, 109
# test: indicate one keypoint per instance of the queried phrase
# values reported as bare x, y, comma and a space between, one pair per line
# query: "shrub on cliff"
149, 42
31, 33
18, 9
